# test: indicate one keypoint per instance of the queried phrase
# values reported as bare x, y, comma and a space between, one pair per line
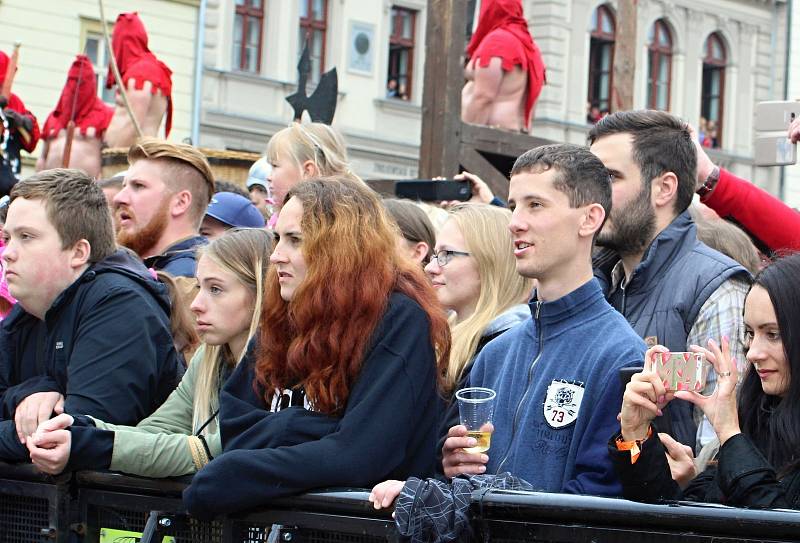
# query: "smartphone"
428, 190
625, 375
682, 371
775, 150
776, 116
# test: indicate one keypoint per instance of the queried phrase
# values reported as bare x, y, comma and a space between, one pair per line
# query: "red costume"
503, 32
135, 61
79, 102
15, 104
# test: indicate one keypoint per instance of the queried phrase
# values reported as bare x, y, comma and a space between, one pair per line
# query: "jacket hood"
507, 319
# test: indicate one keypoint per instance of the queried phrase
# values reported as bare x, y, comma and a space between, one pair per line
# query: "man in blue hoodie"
90, 332
557, 373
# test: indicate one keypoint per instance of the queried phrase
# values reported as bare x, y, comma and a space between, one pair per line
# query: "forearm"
764, 216
746, 478
159, 455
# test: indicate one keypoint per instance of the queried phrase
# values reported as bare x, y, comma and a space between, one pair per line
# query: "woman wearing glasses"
305, 151
475, 277
343, 389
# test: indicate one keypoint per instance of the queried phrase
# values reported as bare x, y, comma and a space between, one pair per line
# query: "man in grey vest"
673, 289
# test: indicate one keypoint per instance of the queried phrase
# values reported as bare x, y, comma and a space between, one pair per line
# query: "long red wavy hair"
318, 340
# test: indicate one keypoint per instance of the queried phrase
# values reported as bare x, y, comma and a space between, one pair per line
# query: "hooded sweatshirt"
558, 392
79, 102
135, 61
503, 32
104, 344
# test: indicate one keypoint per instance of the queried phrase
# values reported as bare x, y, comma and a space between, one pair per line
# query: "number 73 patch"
562, 403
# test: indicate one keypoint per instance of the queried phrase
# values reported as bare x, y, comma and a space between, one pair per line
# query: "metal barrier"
92, 506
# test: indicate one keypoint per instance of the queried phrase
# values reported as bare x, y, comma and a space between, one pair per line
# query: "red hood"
80, 93
136, 61
503, 32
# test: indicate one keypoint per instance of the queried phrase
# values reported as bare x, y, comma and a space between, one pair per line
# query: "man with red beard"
505, 72
80, 104
19, 130
162, 202
147, 80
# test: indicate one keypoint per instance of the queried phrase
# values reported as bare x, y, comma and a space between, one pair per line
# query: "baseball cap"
234, 210
259, 172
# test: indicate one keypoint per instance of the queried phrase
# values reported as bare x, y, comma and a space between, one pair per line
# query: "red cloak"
503, 32
80, 92
135, 61
15, 103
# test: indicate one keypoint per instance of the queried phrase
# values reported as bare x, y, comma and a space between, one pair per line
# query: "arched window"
601, 59
712, 97
659, 66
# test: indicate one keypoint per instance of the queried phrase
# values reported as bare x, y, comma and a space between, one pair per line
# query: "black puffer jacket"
105, 344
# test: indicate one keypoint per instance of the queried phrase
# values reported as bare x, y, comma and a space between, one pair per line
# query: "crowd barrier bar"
88, 506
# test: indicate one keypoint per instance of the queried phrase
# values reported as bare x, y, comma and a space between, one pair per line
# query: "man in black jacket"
90, 333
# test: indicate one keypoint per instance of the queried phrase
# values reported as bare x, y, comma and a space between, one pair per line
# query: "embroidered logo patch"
562, 403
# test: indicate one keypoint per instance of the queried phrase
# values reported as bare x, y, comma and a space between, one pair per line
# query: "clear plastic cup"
475, 409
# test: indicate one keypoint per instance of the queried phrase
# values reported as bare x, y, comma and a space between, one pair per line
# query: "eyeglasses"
444, 256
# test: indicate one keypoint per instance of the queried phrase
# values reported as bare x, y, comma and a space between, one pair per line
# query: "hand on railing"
34, 410
384, 494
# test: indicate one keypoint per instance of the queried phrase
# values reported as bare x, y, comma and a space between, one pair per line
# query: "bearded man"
147, 81
505, 72
80, 104
163, 199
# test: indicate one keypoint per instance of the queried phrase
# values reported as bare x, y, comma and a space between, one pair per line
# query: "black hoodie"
105, 344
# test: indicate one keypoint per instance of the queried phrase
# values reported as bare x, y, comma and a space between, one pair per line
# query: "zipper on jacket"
527, 388
624, 299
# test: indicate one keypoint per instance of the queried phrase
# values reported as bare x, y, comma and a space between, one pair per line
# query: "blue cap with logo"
235, 210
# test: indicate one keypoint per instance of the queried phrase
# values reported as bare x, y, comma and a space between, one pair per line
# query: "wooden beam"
624, 56
476, 163
441, 96
499, 142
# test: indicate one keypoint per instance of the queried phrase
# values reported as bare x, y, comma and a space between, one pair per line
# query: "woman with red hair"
343, 388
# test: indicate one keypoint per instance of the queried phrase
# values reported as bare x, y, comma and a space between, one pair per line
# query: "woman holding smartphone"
759, 459
182, 435
343, 388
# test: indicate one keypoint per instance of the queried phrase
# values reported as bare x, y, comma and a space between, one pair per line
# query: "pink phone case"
682, 371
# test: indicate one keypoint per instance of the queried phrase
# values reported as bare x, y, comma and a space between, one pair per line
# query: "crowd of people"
161, 327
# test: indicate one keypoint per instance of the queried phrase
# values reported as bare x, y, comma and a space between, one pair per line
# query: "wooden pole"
624, 56
441, 95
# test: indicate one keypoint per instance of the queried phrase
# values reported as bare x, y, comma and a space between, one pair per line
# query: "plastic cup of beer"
475, 409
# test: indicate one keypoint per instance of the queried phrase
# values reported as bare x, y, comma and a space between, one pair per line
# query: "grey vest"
666, 292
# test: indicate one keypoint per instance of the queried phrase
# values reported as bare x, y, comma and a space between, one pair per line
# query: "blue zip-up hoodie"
559, 392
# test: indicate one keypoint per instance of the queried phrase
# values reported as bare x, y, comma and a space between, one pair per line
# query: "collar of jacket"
182, 246
676, 239
581, 305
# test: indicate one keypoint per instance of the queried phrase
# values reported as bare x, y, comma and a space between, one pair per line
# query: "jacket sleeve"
11, 450
746, 478
368, 443
159, 446
594, 472
113, 370
17, 105
751, 206
14, 395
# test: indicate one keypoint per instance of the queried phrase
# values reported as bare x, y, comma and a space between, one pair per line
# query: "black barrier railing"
114, 508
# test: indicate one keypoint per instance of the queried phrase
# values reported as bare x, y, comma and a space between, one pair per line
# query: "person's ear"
664, 189
591, 220
419, 251
181, 202
309, 169
81, 252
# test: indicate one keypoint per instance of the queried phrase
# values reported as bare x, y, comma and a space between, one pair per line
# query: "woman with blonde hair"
305, 151
182, 435
475, 277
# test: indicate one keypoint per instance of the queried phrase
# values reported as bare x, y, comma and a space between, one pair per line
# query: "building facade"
52, 32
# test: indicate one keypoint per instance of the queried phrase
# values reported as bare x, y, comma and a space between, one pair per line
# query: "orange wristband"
634, 446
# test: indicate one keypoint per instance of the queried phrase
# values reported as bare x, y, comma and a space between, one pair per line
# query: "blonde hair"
315, 142
485, 231
188, 169
243, 252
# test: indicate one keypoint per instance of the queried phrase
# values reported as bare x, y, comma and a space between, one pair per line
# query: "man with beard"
162, 202
672, 288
